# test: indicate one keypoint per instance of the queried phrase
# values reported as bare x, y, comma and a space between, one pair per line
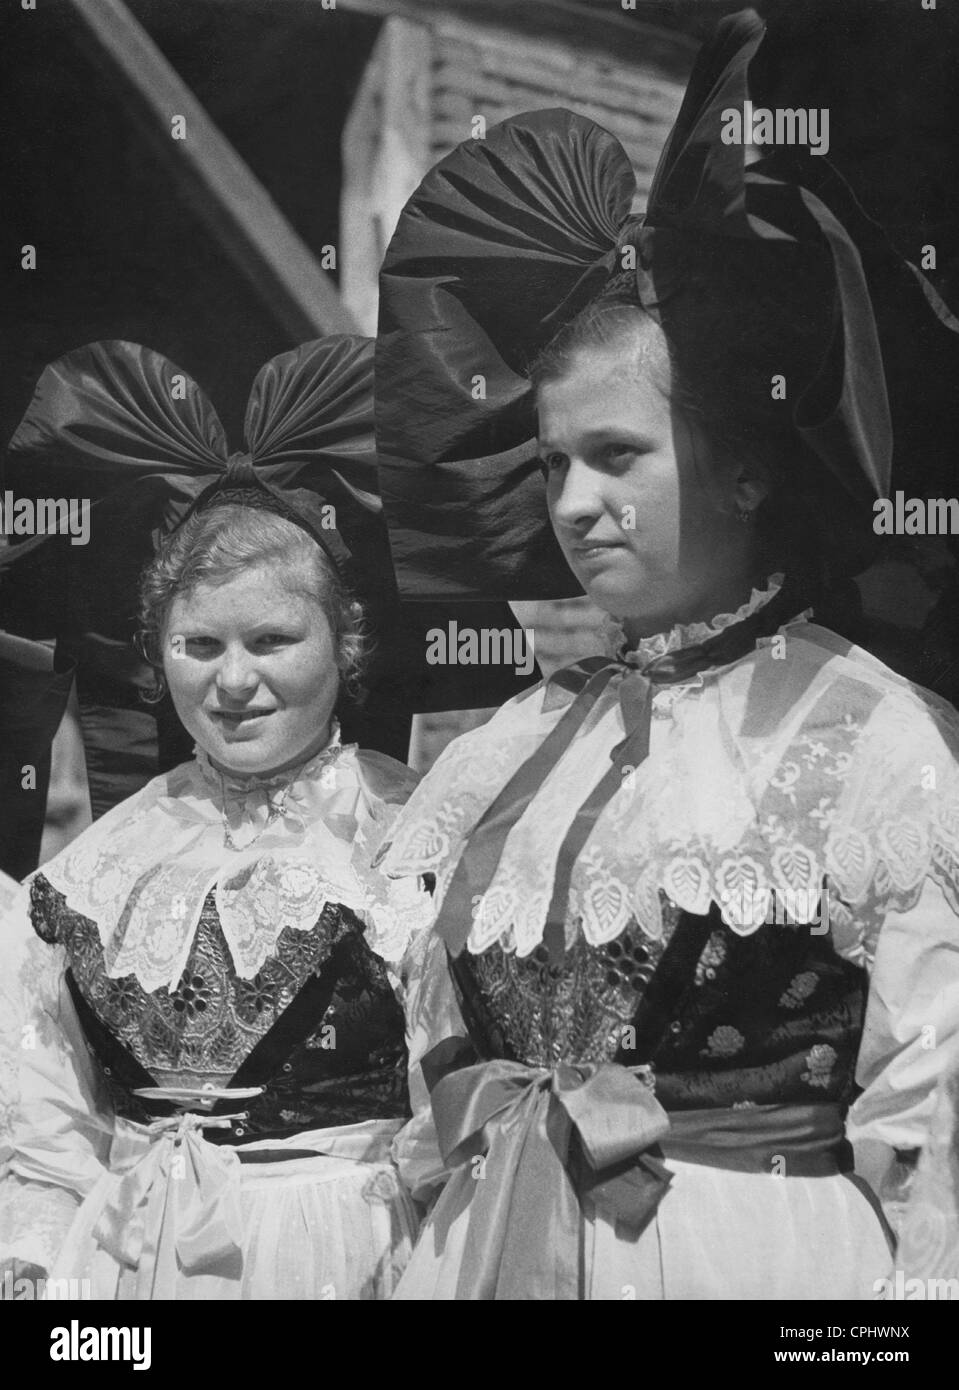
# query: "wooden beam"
656, 30
386, 151
216, 182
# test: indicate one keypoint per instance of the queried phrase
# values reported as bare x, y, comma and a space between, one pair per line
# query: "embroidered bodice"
224, 933
720, 900
719, 1019
272, 853
318, 1027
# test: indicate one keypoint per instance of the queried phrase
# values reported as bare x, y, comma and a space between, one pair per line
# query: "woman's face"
653, 539
251, 667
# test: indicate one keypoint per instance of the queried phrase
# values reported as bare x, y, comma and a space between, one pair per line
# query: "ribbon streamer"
587, 680
176, 1204
547, 1139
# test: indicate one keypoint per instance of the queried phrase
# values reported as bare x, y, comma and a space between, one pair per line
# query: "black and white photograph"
479, 664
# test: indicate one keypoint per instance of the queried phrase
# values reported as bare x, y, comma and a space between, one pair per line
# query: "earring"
744, 514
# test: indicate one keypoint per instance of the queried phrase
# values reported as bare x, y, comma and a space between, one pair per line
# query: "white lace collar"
647, 649
273, 851
805, 762
249, 805
227, 783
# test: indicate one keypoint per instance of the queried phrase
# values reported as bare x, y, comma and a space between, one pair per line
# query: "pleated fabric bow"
123, 426
509, 237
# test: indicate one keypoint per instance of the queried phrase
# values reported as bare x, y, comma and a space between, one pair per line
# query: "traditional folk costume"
697, 898
132, 432
203, 1065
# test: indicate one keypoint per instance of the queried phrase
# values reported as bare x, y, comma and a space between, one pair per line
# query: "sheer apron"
326, 1227
717, 1234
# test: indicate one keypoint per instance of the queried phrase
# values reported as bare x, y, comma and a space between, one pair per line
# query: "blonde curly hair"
237, 530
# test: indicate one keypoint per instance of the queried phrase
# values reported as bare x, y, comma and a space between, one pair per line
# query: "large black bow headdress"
509, 237
124, 428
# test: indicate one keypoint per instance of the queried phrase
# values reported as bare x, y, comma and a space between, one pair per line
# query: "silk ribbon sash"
799, 1141
477, 865
176, 1203
172, 1206
540, 1141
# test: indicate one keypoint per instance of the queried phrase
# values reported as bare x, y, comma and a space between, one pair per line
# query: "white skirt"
717, 1234
193, 1222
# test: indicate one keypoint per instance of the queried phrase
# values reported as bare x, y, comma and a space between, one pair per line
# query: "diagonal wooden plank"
212, 176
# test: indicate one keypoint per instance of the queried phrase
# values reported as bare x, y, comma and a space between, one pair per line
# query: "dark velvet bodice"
721, 1019
319, 1026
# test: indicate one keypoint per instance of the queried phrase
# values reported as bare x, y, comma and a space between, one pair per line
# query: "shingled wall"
480, 70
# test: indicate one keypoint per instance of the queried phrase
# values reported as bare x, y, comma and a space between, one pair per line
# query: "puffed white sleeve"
911, 1026
432, 1016
54, 1130
929, 1231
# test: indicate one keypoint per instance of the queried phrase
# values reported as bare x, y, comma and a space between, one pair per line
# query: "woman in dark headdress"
202, 1041
698, 898
139, 451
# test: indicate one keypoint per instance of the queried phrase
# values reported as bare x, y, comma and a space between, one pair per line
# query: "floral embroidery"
581, 1009
123, 995
724, 1041
143, 872
256, 994
820, 1060
192, 995
714, 953
296, 880
800, 988
208, 1027
381, 1189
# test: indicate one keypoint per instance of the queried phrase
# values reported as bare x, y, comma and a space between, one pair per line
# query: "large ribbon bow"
125, 427
122, 426
509, 237
539, 1142
175, 1207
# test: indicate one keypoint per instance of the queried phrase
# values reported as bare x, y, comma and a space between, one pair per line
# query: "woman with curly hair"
203, 1052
